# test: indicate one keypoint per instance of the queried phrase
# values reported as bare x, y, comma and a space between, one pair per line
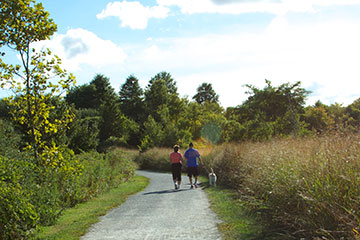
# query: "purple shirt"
191, 155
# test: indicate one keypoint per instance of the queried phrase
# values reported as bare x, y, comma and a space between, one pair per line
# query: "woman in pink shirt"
176, 164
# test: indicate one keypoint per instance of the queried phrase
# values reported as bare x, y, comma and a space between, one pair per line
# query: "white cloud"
321, 54
133, 14
278, 7
81, 47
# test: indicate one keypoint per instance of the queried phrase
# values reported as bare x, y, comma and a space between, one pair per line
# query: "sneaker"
176, 186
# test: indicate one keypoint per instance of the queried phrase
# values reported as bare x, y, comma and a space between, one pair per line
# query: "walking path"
159, 212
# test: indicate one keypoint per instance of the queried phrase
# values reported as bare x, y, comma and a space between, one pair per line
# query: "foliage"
23, 22
75, 222
272, 111
131, 99
17, 215
205, 93
83, 96
318, 119
10, 139
110, 126
84, 130
30, 189
26, 203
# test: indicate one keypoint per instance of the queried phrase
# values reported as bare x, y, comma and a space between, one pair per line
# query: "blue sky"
228, 43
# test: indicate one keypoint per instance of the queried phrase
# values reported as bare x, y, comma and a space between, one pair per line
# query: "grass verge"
75, 221
235, 223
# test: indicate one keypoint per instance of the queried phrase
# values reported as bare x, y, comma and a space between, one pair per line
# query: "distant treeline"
158, 117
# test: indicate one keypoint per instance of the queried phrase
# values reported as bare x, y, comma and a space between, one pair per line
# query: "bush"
9, 139
31, 196
17, 215
102, 172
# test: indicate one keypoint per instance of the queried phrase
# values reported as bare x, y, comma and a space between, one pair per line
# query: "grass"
75, 221
304, 187
237, 223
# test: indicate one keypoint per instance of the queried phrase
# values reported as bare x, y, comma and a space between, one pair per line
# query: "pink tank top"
175, 157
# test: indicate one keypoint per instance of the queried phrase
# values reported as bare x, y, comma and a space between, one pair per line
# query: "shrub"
103, 171
31, 195
17, 215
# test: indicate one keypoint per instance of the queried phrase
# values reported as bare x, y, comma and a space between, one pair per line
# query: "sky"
228, 43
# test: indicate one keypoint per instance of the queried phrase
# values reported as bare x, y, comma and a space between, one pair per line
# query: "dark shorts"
193, 171
176, 171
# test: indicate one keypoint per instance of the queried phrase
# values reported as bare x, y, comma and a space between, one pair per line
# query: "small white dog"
212, 178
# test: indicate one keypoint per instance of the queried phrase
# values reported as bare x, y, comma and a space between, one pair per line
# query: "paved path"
159, 212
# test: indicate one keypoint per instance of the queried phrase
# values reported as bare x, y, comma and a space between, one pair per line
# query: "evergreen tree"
169, 81
131, 99
206, 93
82, 96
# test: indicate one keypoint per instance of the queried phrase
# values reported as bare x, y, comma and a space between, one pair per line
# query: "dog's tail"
212, 170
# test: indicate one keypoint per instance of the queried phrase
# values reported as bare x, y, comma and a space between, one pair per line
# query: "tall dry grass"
308, 187
157, 159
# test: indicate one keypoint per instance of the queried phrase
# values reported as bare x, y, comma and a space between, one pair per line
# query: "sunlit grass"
236, 223
306, 187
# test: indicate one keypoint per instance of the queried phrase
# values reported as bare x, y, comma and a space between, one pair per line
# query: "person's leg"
189, 175
174, 175
196, 174
178, 175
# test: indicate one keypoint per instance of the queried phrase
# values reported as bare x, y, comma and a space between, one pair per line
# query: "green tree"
38, 83
153, 134
160, 91
131, 99
279, 107
82, 96
22, 23
84, 131
318, 118
104, 93
353, 113
169, 81
206, 93
233, 131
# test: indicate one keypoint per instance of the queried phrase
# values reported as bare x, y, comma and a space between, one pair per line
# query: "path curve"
159, 212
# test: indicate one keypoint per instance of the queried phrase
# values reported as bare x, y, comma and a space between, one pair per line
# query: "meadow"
296, 187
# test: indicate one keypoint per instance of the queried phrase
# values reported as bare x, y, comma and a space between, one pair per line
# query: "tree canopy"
206, 93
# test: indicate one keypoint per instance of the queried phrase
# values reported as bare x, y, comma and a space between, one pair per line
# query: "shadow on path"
166, 191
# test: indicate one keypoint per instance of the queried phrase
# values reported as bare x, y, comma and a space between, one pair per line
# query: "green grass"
236, 224
75, 221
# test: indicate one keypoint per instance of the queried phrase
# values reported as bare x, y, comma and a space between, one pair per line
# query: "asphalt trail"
159, 212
